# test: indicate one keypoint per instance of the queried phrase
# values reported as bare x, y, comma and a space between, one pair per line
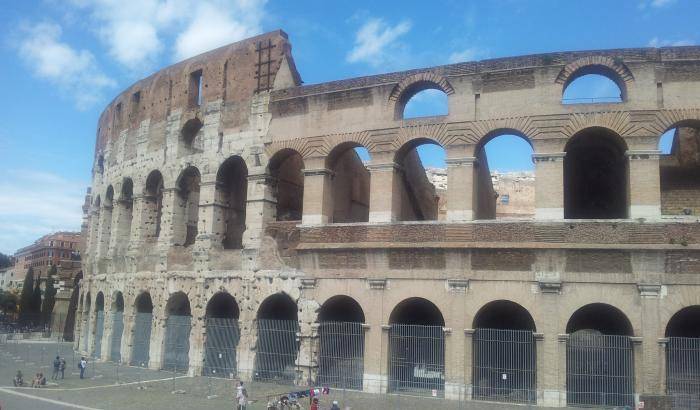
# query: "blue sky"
63, 60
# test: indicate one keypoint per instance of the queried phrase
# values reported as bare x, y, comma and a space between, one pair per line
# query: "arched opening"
683, 358
277, 347
504, 177
429, 102
231, 191
679, 169
178, 324
187, 208
190, 132
117, 327
422, 181
595, 175
99, 325
141, 333
286, 168
153, 205
341, 343
100, 164
505, 365
594, 84
125, 206
350, 184
74, 311
599, 357
87, 323
222, 337
416, 348
105, 221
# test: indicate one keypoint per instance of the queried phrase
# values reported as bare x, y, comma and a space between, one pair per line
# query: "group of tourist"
59, 370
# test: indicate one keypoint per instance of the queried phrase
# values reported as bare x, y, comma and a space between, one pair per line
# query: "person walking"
82, 365
56, 368
62, 368
241, 396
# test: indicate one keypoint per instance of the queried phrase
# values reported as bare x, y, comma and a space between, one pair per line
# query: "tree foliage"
36, 299
5, 260
25, 299
8, 301
49, 296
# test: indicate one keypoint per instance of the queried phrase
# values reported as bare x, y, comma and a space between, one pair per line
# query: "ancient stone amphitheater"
235, 232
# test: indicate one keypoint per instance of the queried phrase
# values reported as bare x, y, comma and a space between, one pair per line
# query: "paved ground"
109, 386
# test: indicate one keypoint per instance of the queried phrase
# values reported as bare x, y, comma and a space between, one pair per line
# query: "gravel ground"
109, 386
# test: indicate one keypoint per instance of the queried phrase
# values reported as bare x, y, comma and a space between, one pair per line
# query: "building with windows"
48, 251
235, 229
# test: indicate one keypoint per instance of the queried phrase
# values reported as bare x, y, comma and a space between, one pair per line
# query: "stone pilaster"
384, 196
460, 188
644, 184
261, 208
318, 198
563, 340
468, 363
549, 185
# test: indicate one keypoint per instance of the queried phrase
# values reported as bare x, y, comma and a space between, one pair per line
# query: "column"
644, 184
638, 360
172, 227
210, 218
261, 208
549, 185
662, 375
468, 362
318, 198
561, 368
307, 357
138, 233
460, 188
384, 192
104, 233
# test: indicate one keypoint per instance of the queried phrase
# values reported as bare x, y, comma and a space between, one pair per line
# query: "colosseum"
235, 231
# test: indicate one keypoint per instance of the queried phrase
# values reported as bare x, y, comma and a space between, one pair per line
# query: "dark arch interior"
100, 164
118, 305
278, 307
223, 306
188, 184
599, 317
127, 189
178, 305
232, 185
286, 167
154, 183
144, 303
350, 184
685, 323
595, 176
416, 311
109, 196
190, 131
341, 309
504, 314
153, 201
100, 302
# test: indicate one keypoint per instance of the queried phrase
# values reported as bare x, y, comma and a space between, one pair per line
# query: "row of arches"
599, 351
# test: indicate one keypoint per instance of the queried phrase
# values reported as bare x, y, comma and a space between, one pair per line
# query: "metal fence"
115, 353
222, 339
599, 370
99, 331
683, 372
504, 366
176, 355
141, 343
417, 359
341, 355
277, 349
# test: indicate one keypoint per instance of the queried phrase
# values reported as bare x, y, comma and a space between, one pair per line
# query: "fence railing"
683, 372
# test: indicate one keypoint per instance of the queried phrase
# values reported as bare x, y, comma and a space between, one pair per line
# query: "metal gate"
417, 359
99, 331
117, 330
341, 355
223, 336
683, 372
599, 370
504, 366
277, 350
142, 339
177, 343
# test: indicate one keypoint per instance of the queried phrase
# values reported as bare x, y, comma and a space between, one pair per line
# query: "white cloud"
661, 3
137, 31
214, 25
376, 42
74, 71
655, 42
468, 54
36, 203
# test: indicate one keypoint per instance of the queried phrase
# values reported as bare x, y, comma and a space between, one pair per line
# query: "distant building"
47, 251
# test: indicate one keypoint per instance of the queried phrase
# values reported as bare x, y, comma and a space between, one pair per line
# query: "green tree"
5, 261
49, 296
36, 300
8, 302
25, 299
